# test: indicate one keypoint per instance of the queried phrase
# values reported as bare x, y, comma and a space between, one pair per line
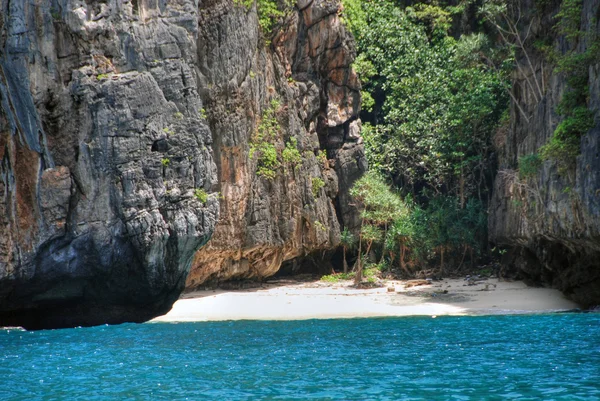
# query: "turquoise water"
535, 357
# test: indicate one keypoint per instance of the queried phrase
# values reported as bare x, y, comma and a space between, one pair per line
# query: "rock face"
102, 147
296, 214
126, 125
550, 223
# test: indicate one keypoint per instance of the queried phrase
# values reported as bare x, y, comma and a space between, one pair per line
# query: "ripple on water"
523, 357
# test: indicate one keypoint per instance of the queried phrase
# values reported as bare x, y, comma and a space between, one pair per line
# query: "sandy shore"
317, 300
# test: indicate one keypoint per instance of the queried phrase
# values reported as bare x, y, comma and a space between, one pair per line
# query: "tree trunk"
383, 246
462, 186
369, 248
402, 255
359, 272
358, 276
471, 256
463, 257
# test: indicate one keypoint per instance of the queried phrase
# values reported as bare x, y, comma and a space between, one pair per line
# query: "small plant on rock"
317, 184
290, 154
201, 195
262, 145
529, 165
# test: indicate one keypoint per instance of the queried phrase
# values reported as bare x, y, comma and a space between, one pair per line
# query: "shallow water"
532, 357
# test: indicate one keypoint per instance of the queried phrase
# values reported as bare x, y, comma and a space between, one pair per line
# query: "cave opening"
316, 264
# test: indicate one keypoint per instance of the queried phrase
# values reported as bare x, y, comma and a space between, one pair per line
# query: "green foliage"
262, 144
371, 233
347, 239
330, 278
178, 115
322, 158
291, 155
201, 195
564, 145
561, 150
381, 208
367, 101
202, 113
354, 17
320, 226
268, 163
437, 19
381, 205
529, 165
317, 183
433, 104
569, 19
409, 233
165, 161
269, 12
246, 3
453, 227
371, 273
335, 278
100, 77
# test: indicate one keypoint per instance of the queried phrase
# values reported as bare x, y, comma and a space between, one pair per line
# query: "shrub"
334, 278
291, 155
317, 184
330, 278
201, 195
262, 144
529, 165
268, 12
564, 146
320, 226
322, 158
268, 163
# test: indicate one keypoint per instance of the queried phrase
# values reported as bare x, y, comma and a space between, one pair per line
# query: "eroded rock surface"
265, 222
126, 125
102, 149
551, 222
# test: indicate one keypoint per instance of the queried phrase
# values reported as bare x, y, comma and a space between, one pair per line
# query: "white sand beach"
286, 300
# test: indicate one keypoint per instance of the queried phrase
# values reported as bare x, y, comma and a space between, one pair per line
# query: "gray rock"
118, 118
265, 223
102, 147
550, 222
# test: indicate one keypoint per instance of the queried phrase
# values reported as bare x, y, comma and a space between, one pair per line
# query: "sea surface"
523, 357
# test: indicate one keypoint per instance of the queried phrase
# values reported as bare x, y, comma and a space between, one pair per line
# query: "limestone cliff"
550, 222
267, 221
123, 126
